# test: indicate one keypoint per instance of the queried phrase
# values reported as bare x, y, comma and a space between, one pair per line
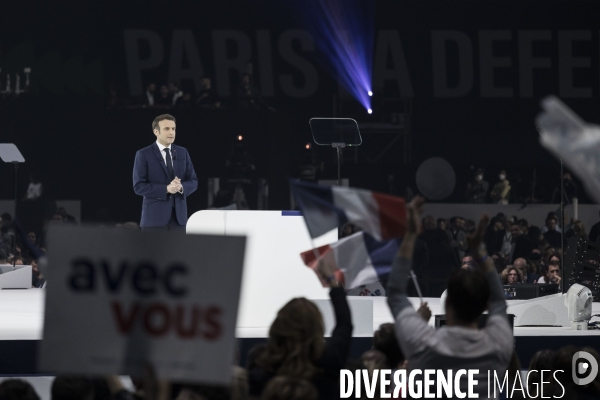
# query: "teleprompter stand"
337, 133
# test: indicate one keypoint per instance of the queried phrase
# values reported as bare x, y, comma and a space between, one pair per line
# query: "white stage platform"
22, 316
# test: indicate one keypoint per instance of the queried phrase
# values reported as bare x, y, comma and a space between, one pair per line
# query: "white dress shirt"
163, 153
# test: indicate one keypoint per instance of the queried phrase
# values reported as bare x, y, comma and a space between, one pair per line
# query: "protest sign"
118, 300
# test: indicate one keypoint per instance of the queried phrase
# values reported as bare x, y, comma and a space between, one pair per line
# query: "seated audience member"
17, 389
511, 276
441, 224
72, 388
501, 189
289, 388
32, 237
296, 346
459, 345
175, 93
551, 215
163, 98
576, 230
532, 232
523, 267
551, 273
248, 95
547, 255
477, 189
507, 238
469, 226
535, 260
544, 245
207, 97
147, 99
468, 263
552, 236
441, 256
494, 235
521, 245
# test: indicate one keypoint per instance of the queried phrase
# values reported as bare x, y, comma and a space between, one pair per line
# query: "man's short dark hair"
17, 389
72, 388
468, 294
161, 117
385, 341
454, 219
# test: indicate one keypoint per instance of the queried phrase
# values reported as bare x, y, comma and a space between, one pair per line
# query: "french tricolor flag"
327, 207
360, 259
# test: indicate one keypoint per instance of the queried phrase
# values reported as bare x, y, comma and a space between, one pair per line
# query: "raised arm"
338, 346
398, 280
486, 266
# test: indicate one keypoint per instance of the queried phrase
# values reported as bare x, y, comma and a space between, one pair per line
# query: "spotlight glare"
370, 111
370, 93
240, 137
307, 146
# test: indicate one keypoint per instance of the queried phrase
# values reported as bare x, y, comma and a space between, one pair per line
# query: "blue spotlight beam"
344, 33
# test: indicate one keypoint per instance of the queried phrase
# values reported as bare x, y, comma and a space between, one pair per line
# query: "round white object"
436, 178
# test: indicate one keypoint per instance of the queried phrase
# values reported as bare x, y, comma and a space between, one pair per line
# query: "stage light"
370, 111
307, 146
240, 138
370, 93
344, 31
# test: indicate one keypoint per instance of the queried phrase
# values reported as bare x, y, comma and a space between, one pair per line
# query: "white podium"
273, 270
17, 278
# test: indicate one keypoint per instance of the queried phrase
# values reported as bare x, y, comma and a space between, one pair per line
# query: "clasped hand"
174, 186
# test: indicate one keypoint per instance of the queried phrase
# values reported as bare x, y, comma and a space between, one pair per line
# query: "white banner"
120, 299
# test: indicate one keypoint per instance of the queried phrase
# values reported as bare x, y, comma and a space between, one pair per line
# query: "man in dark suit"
521, 244
163, 173
521, 265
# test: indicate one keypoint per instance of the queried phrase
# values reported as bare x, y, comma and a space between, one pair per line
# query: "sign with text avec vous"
121, 299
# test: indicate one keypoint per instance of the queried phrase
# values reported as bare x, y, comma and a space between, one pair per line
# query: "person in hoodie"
460, 344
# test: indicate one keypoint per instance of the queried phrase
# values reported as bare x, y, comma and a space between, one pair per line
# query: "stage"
22, 316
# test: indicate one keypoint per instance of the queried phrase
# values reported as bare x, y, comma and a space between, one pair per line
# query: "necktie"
170, 165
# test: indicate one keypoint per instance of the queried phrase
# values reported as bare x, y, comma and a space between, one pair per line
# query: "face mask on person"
502, 177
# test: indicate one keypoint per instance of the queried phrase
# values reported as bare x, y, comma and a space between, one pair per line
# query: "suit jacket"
522, 248
151, 178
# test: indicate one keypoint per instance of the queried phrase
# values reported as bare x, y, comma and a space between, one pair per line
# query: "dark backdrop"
84, 150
